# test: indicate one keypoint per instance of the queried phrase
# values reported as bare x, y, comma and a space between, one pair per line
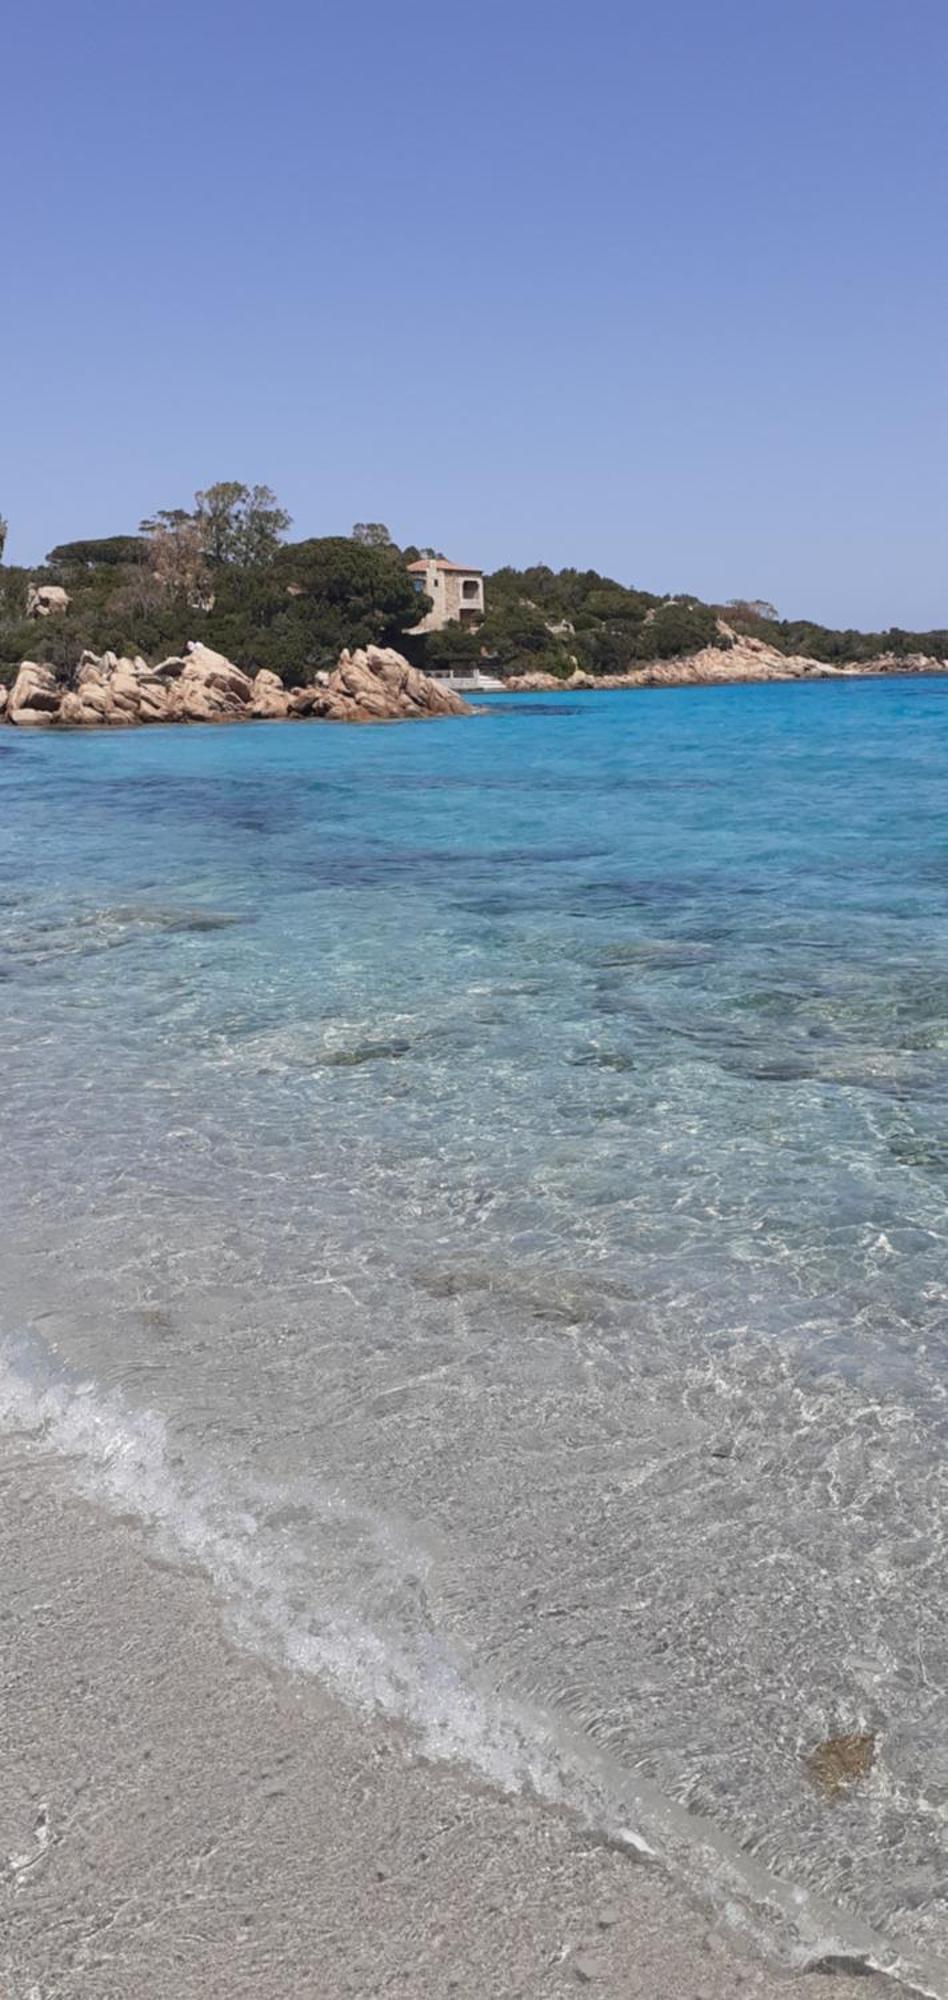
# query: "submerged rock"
840, 1762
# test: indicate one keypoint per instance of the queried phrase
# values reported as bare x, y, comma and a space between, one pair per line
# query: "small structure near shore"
456, 593
465, 680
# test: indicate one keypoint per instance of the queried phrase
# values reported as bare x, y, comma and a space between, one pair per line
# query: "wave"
248, 1539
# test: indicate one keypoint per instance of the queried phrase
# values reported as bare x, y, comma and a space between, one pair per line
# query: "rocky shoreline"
373, 684
743, 659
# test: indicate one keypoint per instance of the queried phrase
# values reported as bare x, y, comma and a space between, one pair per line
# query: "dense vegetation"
224, 572
556, 620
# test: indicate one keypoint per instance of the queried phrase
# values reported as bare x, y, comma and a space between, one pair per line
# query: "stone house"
456, 593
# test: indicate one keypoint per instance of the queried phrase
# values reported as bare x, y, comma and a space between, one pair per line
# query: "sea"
477, 1190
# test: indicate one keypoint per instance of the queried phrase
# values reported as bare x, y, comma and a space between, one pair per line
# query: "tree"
237, 525
176, 558
3, 536
514, 630
296, 613
755, 608
114, 551
453, 646
615, 605
372, 535
145, 591
353, 582
166, 517
681, 625
240, 524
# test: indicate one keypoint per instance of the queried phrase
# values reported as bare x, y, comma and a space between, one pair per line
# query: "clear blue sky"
655, 288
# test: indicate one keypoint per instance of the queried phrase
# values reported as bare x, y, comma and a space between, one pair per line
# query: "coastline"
154, 1277
374, 684
180, 1818
748, 664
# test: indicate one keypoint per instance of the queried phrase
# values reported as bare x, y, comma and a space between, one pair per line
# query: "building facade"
456, 593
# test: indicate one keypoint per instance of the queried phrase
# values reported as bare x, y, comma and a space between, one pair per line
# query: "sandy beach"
473, 1144
475, 1259
177, 1819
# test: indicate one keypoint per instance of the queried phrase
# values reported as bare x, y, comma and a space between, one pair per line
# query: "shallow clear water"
480, 1188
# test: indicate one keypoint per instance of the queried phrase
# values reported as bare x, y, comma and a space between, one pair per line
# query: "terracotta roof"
440, 562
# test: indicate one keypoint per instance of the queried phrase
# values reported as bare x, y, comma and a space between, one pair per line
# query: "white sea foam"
123, 1457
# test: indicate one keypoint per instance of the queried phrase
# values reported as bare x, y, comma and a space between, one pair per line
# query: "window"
469, 588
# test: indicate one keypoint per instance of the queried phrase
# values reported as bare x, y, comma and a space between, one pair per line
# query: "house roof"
440, 562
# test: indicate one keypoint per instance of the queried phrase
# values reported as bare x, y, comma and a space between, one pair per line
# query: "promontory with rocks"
211, 614
373, 684
734, 658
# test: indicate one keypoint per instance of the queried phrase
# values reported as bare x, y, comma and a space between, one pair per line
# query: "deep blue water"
481, 1188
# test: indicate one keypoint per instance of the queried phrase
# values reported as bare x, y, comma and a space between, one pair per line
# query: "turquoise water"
480, 1188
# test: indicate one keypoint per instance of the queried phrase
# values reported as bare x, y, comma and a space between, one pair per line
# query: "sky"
656, 287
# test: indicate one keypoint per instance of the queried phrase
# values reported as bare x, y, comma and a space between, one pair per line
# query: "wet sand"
179, 1821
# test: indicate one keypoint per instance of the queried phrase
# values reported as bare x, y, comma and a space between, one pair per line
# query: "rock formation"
46, 600
203, 686
113, 691
269, 699
373, 685
737, 658
34, 698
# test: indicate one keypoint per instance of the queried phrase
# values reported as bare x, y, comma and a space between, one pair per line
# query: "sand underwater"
473, 1354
